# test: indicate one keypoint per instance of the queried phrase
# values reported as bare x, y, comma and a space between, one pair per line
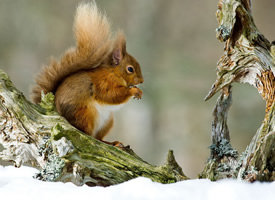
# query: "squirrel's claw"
115, 143
136, 92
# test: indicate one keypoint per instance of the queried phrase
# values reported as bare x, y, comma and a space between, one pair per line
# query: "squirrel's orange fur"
93, 79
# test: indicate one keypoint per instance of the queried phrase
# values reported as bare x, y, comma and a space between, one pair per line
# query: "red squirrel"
93, 79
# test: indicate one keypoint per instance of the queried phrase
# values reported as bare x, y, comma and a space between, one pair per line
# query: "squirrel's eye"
130, 69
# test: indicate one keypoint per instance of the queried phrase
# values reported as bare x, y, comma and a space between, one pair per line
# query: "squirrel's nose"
141, 80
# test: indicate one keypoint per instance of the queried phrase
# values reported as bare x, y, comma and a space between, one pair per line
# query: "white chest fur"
104, 113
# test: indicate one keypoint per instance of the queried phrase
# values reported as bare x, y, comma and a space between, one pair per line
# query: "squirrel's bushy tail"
93, 45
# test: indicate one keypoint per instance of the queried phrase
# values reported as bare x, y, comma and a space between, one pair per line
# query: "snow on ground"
17, 183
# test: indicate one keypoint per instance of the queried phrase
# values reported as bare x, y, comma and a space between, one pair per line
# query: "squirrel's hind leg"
105, 130
100, 134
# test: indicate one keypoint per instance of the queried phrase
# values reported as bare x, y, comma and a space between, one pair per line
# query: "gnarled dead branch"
248, 58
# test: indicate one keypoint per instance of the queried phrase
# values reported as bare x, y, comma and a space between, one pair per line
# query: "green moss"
209, 171
57, 132
47, 102
110, 163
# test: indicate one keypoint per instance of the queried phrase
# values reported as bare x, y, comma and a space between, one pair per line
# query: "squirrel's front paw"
136, 92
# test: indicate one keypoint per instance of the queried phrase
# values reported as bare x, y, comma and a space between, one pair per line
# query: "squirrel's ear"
119, 50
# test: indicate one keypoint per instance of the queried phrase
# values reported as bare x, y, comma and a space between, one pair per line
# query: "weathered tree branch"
248, 58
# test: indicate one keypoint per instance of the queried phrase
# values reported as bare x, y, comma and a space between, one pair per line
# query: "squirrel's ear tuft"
119, 50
